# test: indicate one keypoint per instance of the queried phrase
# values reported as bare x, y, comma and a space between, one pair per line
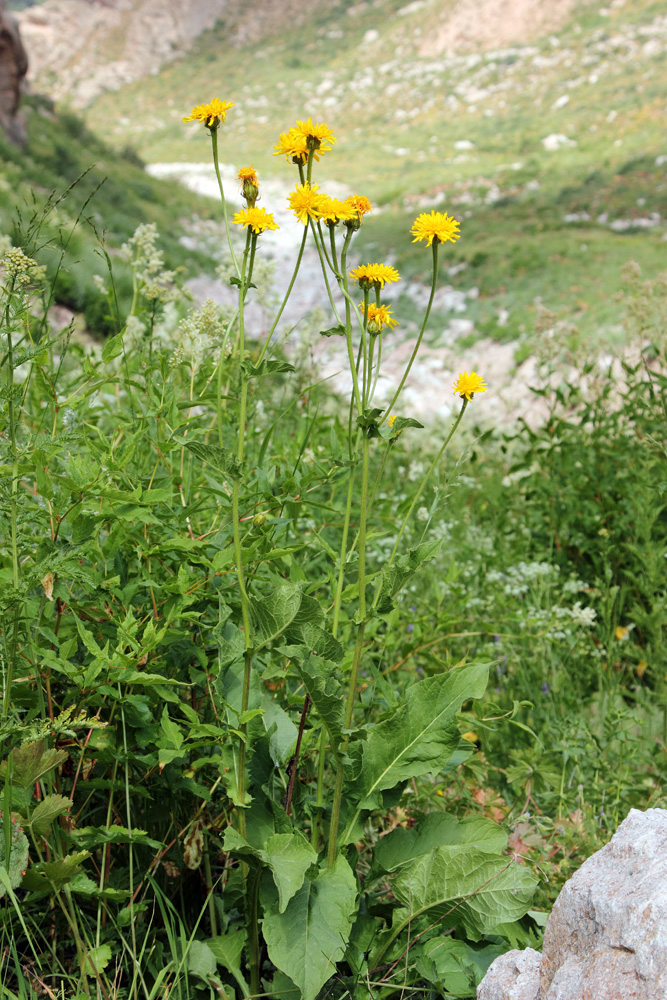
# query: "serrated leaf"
394, 577
287, 855
96, 959
31, 761
93, 836
418, 738
46, 811
274, 613
489, 890
49, 875
309, 937
266, 368
320, 679
333, 331
219, 458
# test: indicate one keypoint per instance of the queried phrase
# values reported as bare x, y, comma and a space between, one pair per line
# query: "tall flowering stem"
216, 164
434, 281
425, 480
352, 683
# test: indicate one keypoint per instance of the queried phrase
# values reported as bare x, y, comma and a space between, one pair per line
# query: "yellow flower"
436, 226
305, 202
379, 317
249, 184
374, 275
641, 668
294, 146
318, 136
471, 737
333, 211
212, 115
621, 633
467, 385
391, 420
360, 204
256, 219
248, 174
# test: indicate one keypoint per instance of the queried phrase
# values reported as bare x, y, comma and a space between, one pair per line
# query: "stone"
13, 68
606, 937
516, 976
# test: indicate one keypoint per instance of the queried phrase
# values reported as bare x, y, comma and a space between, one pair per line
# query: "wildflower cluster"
151, 278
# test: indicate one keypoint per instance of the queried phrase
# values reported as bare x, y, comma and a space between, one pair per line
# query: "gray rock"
606, 938
514, 976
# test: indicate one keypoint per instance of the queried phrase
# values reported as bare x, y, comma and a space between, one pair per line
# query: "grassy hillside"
88, 197
541, 226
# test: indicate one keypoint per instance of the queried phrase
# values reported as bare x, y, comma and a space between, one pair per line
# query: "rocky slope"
80, 48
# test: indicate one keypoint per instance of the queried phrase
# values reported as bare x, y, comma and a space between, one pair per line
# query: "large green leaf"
32, 761
401, 846
485, 890
307, 940
320, 679
288, 855
417, 739
274, 613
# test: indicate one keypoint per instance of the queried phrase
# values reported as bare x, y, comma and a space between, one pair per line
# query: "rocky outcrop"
80, 48
13, 68
606, 938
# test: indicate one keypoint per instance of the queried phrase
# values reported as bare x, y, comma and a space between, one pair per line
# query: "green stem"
352, 685
216, 164
434, 281
11, 661
287, 293
245, 603
425, 480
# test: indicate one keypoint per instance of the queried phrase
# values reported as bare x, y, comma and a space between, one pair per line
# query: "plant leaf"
489, 890
309, 937
418, 738
288, 855
46, 811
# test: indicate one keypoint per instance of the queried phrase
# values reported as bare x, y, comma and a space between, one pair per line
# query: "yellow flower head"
435, 226
256, 219
294, 146
317, 136
374, 275
305, 202
379, 317
333, 211
212, 115
467, 385
621, 633
248, 174
359, 204
391, 420
249, 184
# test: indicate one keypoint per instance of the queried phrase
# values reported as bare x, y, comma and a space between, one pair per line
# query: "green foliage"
13, 852
248, 731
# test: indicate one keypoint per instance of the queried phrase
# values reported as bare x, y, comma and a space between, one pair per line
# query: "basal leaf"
487, 890
228, 949
309, 937
402, 846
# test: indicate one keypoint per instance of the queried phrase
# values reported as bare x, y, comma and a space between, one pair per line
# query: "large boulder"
606, 938
13, 68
